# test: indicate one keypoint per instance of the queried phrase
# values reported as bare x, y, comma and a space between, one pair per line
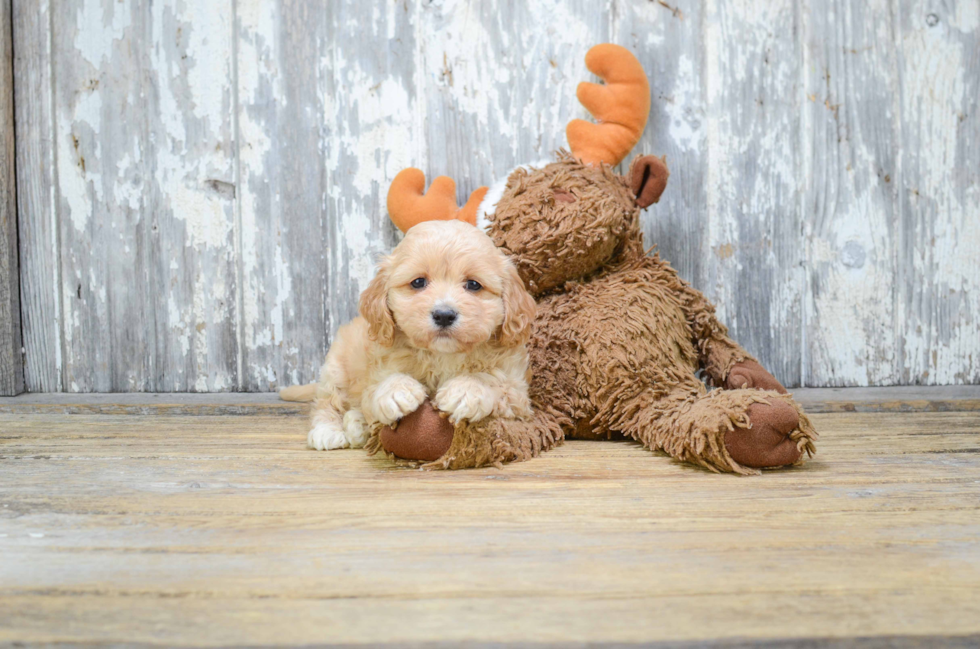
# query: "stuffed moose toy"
619, 338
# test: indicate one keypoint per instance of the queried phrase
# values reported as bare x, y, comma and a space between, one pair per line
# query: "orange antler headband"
407, 206
620, 107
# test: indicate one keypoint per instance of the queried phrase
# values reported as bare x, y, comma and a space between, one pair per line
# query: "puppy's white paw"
397, 396
326, 437
465, 398
355, 428
513, 404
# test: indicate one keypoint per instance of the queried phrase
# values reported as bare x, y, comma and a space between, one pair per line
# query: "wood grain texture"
283, 233
753, 260
144, 147
851, 133
677, 126
327, 118
202, 185
937, 270
496, 96
37, 189
212, 531
891, 125
11, 359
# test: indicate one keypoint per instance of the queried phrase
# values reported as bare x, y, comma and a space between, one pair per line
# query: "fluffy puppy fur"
446, 318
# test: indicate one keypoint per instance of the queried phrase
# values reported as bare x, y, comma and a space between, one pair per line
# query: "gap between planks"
958, 398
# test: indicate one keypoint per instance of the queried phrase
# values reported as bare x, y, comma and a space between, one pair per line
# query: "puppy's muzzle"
444, 318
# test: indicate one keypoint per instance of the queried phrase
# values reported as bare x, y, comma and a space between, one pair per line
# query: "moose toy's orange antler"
407, 206
621, 107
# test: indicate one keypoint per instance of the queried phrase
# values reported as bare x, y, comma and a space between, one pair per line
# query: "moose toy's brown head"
567, 219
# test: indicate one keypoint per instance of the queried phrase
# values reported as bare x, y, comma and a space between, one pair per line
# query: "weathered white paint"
892, 103
202, 184
939, 67
142, 148
852, 128
753, 260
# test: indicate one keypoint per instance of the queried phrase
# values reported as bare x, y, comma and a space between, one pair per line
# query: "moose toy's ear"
648, 179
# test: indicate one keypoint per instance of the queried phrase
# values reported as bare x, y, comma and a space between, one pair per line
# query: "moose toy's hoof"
423, 435
767, 443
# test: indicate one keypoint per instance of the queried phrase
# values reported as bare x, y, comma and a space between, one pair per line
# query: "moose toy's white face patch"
488, 206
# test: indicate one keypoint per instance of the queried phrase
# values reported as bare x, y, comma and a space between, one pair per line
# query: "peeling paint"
222, 168
936, 93
100, 25
686, 125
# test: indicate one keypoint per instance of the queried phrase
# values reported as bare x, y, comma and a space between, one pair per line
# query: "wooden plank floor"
225, 530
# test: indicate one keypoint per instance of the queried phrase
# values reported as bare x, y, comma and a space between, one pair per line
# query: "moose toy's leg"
779, 433
738, 431
496, 441
490, 441
764, 443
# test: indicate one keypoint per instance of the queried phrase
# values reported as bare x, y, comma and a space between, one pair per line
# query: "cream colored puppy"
446, 318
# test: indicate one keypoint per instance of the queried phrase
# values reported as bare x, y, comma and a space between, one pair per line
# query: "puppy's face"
447, 288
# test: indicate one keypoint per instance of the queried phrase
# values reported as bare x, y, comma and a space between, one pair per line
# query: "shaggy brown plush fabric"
619, 336
537, 221
490, 442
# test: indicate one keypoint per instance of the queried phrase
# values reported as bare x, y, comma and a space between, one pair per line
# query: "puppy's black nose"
444, 317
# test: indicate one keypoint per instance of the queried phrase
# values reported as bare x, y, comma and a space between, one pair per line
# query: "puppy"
446, 318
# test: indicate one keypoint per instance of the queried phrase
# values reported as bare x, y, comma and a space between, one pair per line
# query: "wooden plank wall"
202, 184
11, 359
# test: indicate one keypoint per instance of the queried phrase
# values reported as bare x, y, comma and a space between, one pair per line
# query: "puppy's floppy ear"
374, 307
519, 309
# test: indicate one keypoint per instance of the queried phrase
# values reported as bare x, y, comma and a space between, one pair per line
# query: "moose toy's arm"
725, 362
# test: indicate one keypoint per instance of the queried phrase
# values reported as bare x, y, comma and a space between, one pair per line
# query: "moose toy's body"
618, 339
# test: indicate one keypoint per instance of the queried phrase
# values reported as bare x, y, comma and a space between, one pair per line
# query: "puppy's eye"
473, 285
419, 282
